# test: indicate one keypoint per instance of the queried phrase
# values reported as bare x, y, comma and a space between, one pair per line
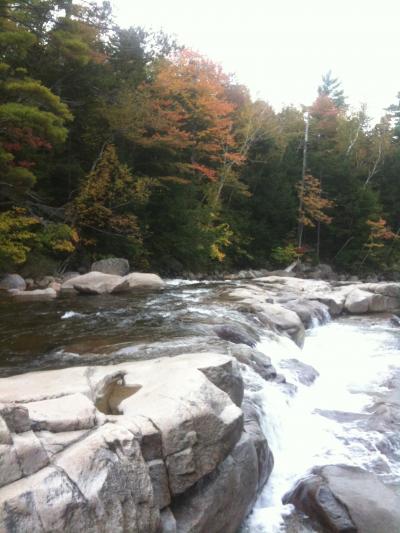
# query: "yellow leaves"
379, 232
312, 204
58, 238
217, 253
223, 236
16, 236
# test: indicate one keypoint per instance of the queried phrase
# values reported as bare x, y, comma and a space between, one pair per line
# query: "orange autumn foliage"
312, 202
189, 113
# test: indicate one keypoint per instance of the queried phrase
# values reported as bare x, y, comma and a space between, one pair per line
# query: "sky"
281, 48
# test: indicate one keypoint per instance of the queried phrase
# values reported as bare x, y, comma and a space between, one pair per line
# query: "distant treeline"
119, 142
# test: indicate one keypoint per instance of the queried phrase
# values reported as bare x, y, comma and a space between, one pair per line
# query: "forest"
121, 142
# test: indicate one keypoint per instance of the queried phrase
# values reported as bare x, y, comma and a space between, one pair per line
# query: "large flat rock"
111, 448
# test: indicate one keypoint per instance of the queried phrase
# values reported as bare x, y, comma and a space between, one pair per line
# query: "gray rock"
68, 413
109, 471
12, 281
347, 499
360, 301
159, 480
113, 265
144, 281
10, 469
30, 452
236, 334
258, 361
96, 283
5, 436
45, 282
171, 431
221, 501
69, 275
16, 417
39, 502
36, 294
308, 311
283, 320
168, 522
306, 374
252, 426
30, 284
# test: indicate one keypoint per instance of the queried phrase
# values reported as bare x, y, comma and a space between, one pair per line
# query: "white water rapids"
354, 358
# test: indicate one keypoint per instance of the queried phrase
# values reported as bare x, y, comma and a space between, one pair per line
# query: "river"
326, 422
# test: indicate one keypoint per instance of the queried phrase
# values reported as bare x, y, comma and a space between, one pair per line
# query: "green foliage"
16, 237
57, 239
104, 209
285, 255
216, 175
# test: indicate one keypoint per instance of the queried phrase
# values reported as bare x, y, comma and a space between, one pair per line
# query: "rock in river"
347, 499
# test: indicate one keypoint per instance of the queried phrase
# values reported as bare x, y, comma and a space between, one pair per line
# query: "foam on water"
353, 363
70, 314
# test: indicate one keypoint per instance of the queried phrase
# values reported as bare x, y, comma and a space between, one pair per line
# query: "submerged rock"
306, 374
347, 499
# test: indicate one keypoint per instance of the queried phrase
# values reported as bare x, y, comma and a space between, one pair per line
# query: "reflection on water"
83, 328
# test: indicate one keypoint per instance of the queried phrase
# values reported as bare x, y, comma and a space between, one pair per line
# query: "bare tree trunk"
374, 169
303, 175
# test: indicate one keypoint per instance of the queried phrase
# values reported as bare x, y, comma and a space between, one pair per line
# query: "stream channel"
323, 422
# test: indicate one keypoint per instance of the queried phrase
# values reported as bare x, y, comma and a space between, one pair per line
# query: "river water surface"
327, 422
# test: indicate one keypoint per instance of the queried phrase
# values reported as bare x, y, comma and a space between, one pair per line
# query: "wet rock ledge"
165, 445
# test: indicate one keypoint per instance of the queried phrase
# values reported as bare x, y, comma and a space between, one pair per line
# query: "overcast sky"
281, 48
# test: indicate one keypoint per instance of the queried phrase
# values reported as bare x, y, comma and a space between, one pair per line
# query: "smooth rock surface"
236, 334
95, 283
12, 281
168, 430
347, 499
37, 294
140, 280
113, 265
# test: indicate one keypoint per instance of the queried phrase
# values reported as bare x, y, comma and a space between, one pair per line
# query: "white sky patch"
281, 48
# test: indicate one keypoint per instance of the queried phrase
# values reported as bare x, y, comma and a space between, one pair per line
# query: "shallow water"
97, 329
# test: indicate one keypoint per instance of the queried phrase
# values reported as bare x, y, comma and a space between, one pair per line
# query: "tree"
312, 204
104, 210
32, 117
331, 87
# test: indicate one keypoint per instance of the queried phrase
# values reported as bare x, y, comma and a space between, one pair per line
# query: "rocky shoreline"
134, 447
171, 444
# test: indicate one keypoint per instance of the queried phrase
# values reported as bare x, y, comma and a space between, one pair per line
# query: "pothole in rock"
114, 393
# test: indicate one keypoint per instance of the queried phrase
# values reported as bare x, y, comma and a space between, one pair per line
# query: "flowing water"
329, 421
358, 360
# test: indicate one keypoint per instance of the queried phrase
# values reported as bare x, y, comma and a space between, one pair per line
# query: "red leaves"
206, 171
190, 113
